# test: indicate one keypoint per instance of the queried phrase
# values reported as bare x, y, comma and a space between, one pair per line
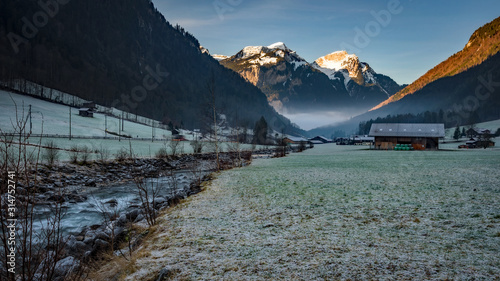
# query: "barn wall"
388, 143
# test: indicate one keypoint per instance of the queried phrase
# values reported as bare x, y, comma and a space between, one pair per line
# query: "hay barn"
418, 136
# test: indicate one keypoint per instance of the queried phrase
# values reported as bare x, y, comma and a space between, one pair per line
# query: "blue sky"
407, 39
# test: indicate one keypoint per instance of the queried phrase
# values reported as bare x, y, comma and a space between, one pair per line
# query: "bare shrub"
197, 146
74, 152
51, 153
121, 154
148, 191
85, 153
173, 145
103, 153
36, 252
161, 153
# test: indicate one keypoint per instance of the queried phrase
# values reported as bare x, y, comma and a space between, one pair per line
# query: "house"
479, 138
477, 132
320, 140
361, 140
295, 140
480, 143
85, 112
418, 136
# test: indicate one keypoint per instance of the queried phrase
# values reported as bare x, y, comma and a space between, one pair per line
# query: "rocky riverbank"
69, 183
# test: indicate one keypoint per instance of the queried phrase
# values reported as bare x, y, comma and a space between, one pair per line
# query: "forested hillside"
124, 54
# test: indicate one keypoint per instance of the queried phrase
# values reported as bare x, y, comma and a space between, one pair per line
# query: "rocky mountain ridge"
337, 81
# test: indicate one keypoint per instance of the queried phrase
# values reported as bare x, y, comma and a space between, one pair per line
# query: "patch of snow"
250, 51
297, 64
219, 57
278, 45
264, 60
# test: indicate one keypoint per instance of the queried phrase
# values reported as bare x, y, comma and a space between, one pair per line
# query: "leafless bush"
234, 148
74, 152
181, 148
148, 192
103, 153
161, 153
85, 153
36, 252
121, 154
109, 212
173, 145
196, 170
197, 146
51, 153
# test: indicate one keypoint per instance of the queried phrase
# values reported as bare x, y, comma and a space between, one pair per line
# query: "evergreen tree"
260, 131
456, 135
463, 132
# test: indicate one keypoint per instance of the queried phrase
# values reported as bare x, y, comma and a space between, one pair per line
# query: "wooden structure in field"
85, 112
418, 136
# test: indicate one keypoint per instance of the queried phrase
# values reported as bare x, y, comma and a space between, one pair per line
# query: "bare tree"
26, 252
173, 145
211, 91
148, 191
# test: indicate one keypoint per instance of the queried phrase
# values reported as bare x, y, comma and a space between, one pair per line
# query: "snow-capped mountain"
335, 81
347, 64
260, 55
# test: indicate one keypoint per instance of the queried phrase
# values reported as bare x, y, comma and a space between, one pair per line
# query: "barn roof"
296, 139
321, 138
434, 130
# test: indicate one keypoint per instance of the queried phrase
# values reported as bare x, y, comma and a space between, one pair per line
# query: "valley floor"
336, 212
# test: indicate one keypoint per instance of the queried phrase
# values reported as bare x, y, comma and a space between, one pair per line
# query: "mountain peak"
340, 61
278, 45
336, 60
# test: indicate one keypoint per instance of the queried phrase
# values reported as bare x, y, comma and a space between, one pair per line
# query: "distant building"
359, 140
477, 132
418, 136
85, 112
320, 140
295, 140
479, 138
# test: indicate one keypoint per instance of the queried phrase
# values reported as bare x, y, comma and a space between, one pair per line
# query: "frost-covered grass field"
337, 212
53, 119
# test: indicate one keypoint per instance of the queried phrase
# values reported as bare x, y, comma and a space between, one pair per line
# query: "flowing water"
105, 200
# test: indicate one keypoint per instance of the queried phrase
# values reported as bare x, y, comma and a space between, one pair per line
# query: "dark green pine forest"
124, 53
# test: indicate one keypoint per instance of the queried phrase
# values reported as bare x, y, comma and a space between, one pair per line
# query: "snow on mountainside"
340, 61
337, 82
261, 55
219, 57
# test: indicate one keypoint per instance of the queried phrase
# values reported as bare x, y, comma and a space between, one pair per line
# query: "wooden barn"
85, 112
418, 136
320, 140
